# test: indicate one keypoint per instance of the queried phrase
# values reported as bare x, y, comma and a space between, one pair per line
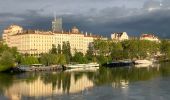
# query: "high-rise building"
57, 25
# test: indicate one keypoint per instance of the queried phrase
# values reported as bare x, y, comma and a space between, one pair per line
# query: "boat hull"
118, 64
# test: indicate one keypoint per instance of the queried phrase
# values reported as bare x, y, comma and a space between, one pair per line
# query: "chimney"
90, 34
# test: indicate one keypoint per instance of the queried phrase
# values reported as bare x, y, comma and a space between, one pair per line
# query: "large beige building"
35, 42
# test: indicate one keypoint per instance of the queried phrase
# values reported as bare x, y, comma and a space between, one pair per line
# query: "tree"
165, 48
29, 60
116, 50
49, 59
79, 57
54, 49
62, 59
90, 53
101, 47
59, 49
6, 61
66, 51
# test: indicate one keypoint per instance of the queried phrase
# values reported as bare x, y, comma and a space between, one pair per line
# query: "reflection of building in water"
79, 85
121, 84
38, 88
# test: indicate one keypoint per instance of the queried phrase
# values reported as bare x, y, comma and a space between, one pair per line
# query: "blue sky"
96, 16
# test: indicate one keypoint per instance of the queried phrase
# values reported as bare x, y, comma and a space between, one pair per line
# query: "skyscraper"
57, 25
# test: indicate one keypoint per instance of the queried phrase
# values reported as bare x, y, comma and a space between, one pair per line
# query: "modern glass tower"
57, 25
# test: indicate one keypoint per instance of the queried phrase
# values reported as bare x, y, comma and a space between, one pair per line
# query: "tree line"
100, 51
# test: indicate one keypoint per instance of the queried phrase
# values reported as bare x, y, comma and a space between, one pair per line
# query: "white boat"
88, 69
143, 65
81, 65
143, 62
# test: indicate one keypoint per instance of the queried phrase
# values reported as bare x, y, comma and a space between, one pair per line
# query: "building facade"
36, 42
149, 37
119, 36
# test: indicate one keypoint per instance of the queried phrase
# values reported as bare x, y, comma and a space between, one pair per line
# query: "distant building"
149, 37
36, 42
57, 25
119, 36
75, 30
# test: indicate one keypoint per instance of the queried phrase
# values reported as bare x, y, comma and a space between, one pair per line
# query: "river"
131, 83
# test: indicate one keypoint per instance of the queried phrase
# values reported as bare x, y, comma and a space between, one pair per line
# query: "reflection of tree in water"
165, 71
5, 81
103, 76
29, 78
78, 75
107, 76
62, 80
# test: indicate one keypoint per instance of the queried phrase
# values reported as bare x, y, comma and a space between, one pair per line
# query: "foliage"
6, 61
8, 57
50, 59
28, 60
62, 59
66, 50
54, 49
129, 49
165, 48
59, 51
79, 57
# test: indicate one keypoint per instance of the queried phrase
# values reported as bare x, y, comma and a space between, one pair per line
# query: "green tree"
28, 60
79, 57
49, 59
116, 50
62, 59
66, 51
90, 54
59, 49
54, 49
6, 61
165, 48
101, 47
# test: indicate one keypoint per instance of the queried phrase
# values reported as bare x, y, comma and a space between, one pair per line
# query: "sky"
93, 16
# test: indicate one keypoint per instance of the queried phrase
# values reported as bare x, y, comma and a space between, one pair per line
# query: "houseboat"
71, 66
118, 64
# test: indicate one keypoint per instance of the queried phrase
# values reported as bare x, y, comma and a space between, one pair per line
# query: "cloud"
151, 4
101, 18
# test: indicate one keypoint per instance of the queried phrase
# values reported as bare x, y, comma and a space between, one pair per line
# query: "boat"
143, 63
118, 64
70, 66
37, 67
88, 69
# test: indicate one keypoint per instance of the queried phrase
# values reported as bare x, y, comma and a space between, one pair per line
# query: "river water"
151, 83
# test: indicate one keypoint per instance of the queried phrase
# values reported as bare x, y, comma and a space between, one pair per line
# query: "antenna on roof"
55, 16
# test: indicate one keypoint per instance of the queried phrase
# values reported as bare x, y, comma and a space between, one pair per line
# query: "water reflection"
49, 85
71, 83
